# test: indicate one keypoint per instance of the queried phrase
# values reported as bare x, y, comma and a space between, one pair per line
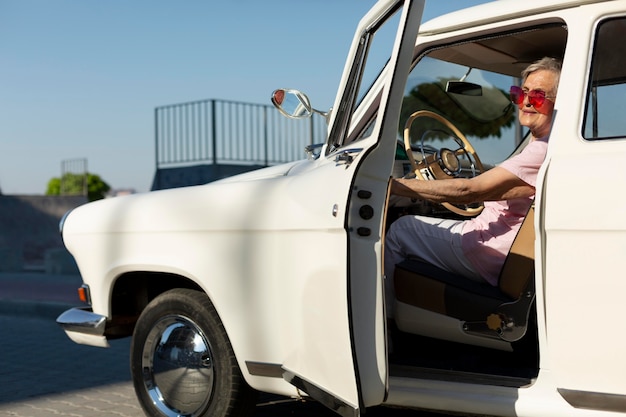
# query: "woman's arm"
493, 185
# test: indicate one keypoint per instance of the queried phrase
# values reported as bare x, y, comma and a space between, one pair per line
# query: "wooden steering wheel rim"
467, 147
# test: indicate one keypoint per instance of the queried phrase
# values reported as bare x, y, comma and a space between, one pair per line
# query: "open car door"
339, 356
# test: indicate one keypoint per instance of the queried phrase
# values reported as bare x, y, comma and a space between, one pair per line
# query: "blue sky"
81, 79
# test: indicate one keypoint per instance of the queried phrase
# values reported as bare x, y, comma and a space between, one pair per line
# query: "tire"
182, 362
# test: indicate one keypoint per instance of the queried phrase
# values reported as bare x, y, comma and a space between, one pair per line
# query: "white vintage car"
272, 280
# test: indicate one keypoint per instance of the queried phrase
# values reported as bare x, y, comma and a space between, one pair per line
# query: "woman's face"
538, 119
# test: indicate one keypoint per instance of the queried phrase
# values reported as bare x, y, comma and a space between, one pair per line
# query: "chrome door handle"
347, 156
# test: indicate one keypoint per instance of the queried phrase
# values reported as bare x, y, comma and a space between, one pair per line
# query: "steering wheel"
444, 164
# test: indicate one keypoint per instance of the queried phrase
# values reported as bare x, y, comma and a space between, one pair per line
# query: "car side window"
604, 118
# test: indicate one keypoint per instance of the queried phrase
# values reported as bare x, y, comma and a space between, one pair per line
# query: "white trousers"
434, 241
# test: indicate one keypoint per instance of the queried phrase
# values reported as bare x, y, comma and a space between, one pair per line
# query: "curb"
33, 309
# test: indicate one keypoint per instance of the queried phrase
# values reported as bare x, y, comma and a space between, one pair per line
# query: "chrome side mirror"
294, 104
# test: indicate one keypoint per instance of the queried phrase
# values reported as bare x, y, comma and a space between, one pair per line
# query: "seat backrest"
519, 264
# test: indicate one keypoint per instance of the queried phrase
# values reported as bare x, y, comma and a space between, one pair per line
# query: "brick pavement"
44, 373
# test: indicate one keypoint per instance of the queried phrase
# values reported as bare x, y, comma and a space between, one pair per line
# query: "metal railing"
229, 132
74, 177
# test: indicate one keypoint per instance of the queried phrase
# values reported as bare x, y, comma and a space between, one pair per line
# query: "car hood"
269, 172
247, 201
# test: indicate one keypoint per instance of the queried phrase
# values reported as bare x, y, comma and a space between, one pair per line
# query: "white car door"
338, 356
584, 218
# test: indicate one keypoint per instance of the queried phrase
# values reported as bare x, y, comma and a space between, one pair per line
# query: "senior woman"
476, 248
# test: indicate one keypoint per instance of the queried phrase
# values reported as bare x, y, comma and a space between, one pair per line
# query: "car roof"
495, 11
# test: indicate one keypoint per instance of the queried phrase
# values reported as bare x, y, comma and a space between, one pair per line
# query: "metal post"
156, 138
213, 132
265, 137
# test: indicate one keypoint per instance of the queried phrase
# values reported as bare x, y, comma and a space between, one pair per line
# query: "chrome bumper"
84, 326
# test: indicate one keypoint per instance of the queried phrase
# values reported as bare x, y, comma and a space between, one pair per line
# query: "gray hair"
547, 64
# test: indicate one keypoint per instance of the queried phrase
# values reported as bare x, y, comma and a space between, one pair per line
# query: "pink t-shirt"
487, 238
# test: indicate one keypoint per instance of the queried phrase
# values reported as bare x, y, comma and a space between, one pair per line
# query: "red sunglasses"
535, 97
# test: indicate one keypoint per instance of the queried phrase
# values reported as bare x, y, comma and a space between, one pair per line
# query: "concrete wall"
166, 178
29, 233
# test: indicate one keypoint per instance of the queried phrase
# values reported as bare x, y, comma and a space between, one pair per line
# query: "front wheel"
182, 363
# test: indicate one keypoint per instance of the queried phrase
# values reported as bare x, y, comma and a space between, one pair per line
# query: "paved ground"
43, 373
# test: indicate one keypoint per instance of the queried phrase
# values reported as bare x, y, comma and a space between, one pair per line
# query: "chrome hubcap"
177, 366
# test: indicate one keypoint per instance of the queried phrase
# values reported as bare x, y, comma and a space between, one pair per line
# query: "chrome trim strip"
62, 221
594, 400
82, 320
324, 397
270, 370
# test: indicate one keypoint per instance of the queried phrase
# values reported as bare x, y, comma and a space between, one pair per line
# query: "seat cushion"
423, 285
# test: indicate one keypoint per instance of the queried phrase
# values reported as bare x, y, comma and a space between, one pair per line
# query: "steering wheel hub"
448, 162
